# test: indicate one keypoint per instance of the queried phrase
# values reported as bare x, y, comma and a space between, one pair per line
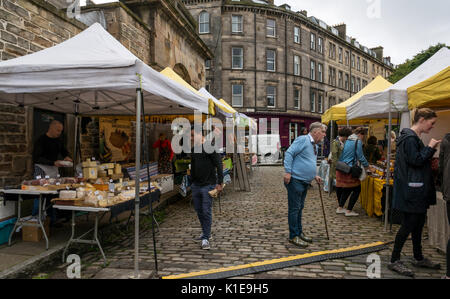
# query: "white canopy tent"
395, 99
94, 74
95, 71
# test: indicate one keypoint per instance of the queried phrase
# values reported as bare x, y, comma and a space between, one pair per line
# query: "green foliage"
410, 65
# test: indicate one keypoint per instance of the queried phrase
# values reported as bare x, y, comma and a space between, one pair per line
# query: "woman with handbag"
348, 172
336, 150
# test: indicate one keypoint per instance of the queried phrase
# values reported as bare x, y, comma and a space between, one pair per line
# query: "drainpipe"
350, 79
285, 66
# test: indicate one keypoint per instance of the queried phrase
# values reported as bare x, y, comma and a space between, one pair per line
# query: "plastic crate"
5, 229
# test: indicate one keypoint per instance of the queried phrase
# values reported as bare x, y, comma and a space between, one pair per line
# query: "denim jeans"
296, 201
203, 206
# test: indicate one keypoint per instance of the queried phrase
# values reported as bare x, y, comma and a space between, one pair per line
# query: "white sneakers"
351, 213
340, 210
346, 212
205, 244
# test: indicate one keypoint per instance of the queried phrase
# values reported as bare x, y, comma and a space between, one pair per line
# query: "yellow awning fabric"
339, 112
227, 108
170, 73
434, 92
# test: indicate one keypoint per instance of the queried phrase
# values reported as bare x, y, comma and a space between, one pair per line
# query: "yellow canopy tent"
338, 112
434, 92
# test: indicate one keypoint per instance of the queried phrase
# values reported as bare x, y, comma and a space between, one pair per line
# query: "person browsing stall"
206, 175
350, 186
414, 189
337, 146
300, 164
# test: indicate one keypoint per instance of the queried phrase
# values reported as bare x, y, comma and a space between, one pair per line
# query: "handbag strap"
355, 158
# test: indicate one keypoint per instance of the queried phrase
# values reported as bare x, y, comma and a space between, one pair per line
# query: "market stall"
434, 93
337, 115
395, 100
94, 74
221, 110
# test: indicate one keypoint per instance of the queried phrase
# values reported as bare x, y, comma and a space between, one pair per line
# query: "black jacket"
48, 150
414, 189
204, 167
444, 167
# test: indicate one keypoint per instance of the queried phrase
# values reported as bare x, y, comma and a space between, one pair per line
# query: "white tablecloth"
438, 227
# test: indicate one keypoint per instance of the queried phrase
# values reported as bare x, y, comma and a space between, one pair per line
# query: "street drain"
276, 264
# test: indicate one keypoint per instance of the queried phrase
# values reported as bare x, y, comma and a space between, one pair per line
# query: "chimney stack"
379, 52
342, 29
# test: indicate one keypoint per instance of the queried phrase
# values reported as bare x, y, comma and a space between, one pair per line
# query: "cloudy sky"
402, 27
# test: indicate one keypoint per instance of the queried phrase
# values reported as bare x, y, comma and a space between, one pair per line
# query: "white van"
268, 148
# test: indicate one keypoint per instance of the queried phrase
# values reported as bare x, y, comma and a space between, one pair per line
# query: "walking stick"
323, 210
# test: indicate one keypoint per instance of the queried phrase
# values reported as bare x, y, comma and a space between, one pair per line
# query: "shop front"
289, 125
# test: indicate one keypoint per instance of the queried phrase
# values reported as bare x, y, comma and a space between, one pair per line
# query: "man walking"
207, 175
300, 164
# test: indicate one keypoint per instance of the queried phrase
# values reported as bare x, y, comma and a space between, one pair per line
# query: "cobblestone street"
253, 227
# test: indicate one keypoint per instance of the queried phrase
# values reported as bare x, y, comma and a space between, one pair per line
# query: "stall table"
371, 194
145, 199
42, 202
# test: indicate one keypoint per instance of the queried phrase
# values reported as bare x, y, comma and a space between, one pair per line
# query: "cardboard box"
165, 182
34, 233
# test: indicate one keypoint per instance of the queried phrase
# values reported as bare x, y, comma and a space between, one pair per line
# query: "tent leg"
388, 163
147, 161
330, 181
137, 184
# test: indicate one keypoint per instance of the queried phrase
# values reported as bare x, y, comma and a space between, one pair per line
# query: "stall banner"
378, 130
115, 139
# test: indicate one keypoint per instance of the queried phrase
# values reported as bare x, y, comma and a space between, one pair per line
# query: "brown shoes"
298, 242
305, 238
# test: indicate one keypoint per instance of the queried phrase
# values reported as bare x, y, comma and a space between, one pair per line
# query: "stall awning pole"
330, 180
388, 163
137, 182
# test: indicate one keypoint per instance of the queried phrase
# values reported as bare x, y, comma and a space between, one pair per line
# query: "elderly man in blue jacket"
300, 164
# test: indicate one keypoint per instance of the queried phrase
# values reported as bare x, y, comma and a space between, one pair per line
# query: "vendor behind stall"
165, 154
48, 151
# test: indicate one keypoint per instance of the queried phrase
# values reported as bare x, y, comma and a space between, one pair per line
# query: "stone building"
272, 62
159, 32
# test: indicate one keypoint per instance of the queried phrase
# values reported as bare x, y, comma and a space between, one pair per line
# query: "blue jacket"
348, 153
300, 160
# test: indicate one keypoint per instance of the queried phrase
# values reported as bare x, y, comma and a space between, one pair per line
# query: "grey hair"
317, 125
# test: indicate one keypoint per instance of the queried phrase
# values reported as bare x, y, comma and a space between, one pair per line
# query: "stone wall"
176, 43
127, 28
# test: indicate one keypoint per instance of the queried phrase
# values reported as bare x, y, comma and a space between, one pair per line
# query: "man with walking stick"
300, 164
